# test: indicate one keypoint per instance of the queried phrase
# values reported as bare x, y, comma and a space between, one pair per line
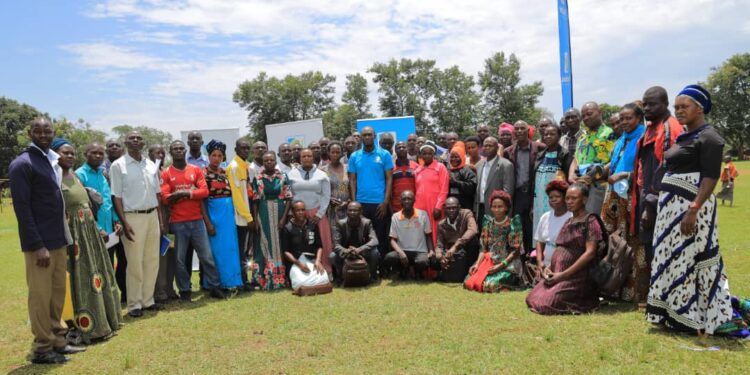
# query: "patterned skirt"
689, 290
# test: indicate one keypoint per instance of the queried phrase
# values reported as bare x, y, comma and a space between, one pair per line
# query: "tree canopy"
729, 85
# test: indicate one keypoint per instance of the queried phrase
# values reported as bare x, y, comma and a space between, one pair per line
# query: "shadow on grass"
692, 342
34, 369
616, 307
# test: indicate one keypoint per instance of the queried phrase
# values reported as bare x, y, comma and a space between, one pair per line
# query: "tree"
340, 122
405, 89
729, 85
607, 110
150, 136
14, 119
503, 97
455, 103
356, 95
79, 134
270, 100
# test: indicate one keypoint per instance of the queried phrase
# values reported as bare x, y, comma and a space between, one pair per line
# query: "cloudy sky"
175, 64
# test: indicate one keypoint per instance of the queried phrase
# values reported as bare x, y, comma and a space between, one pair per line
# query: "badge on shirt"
310, 237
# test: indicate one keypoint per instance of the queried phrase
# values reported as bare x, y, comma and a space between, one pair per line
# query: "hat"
699, 95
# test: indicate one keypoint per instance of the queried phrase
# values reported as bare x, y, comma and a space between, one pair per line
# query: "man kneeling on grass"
411, 240
354, 236
302, 247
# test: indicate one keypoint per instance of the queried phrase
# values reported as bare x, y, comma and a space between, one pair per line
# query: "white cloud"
341, 37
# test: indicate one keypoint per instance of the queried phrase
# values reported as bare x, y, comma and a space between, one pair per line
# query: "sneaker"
185, 296
135, 313
218, 293
48, 358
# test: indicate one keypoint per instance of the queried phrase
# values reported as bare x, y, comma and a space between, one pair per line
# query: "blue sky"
175, 64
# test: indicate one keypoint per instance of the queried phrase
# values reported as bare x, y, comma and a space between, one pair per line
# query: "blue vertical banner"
566, 69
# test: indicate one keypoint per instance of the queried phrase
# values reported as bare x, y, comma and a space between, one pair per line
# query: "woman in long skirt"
271, 197
336, 171
689, 290
617, 212
96, 298
218, 210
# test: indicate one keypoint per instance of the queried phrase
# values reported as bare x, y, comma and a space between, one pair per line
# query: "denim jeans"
195, 233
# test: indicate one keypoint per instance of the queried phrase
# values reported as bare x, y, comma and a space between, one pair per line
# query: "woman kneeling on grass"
566, 287
498, 266
300, 241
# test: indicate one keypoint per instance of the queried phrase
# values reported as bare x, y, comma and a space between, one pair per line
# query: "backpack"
613, 262
356, 271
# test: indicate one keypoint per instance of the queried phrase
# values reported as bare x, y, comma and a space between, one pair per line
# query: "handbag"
613, 262
356, 271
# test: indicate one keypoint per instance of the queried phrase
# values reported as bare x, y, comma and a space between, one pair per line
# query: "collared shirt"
200, 162
370, 169
569, 142
94, 179
136, 182
52, 157
463, 230
595, 147
522, 165
237, 172
283, 167
410, 232
484, 177
312, 187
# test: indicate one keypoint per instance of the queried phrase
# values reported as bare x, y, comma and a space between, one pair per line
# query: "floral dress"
271, 193
498, 240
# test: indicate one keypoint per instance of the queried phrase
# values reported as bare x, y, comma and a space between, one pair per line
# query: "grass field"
400, 327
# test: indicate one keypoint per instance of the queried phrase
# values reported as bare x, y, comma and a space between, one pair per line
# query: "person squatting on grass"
654, 182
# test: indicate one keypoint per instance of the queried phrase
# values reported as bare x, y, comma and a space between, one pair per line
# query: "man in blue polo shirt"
370, 175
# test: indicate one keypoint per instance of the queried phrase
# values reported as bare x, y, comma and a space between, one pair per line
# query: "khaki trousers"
143, 259
46, 299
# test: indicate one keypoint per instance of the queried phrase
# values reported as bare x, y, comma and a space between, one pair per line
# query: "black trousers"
372, 258
463, 259
121, 269
382, 226
243, 237
522, 206
418, 260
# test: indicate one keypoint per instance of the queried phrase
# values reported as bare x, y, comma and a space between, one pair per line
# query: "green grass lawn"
397, 327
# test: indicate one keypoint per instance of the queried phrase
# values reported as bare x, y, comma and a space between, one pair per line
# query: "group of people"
494, 213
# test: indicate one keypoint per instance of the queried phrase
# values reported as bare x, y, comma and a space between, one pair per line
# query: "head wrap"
505, 127
531, 132
57, 143
216, 145
428, 144
504, 196
460, 150
699, 95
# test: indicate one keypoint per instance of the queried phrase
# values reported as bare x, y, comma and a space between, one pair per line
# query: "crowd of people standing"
494, 213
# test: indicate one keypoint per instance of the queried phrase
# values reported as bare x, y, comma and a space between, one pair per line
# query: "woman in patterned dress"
271, 198
566, 287
689, 290
217, 209
551, 164
96, 298
498, 266
336, 171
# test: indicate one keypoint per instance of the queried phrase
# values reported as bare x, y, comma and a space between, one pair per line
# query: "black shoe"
135, 313
70, 349
185, 296
154, 307
247, 288
218, 293
48, 358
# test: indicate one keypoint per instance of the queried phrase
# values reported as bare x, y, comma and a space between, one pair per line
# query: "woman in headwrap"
689, 290
551, 164
96, 298
505, 135
617, 205
463, 180
432, 183
218, 216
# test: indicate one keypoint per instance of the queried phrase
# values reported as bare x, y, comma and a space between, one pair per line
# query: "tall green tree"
504, 98
151, 136
356, 95
405, 88
270, 100
455, 104
729, 85
14, 119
